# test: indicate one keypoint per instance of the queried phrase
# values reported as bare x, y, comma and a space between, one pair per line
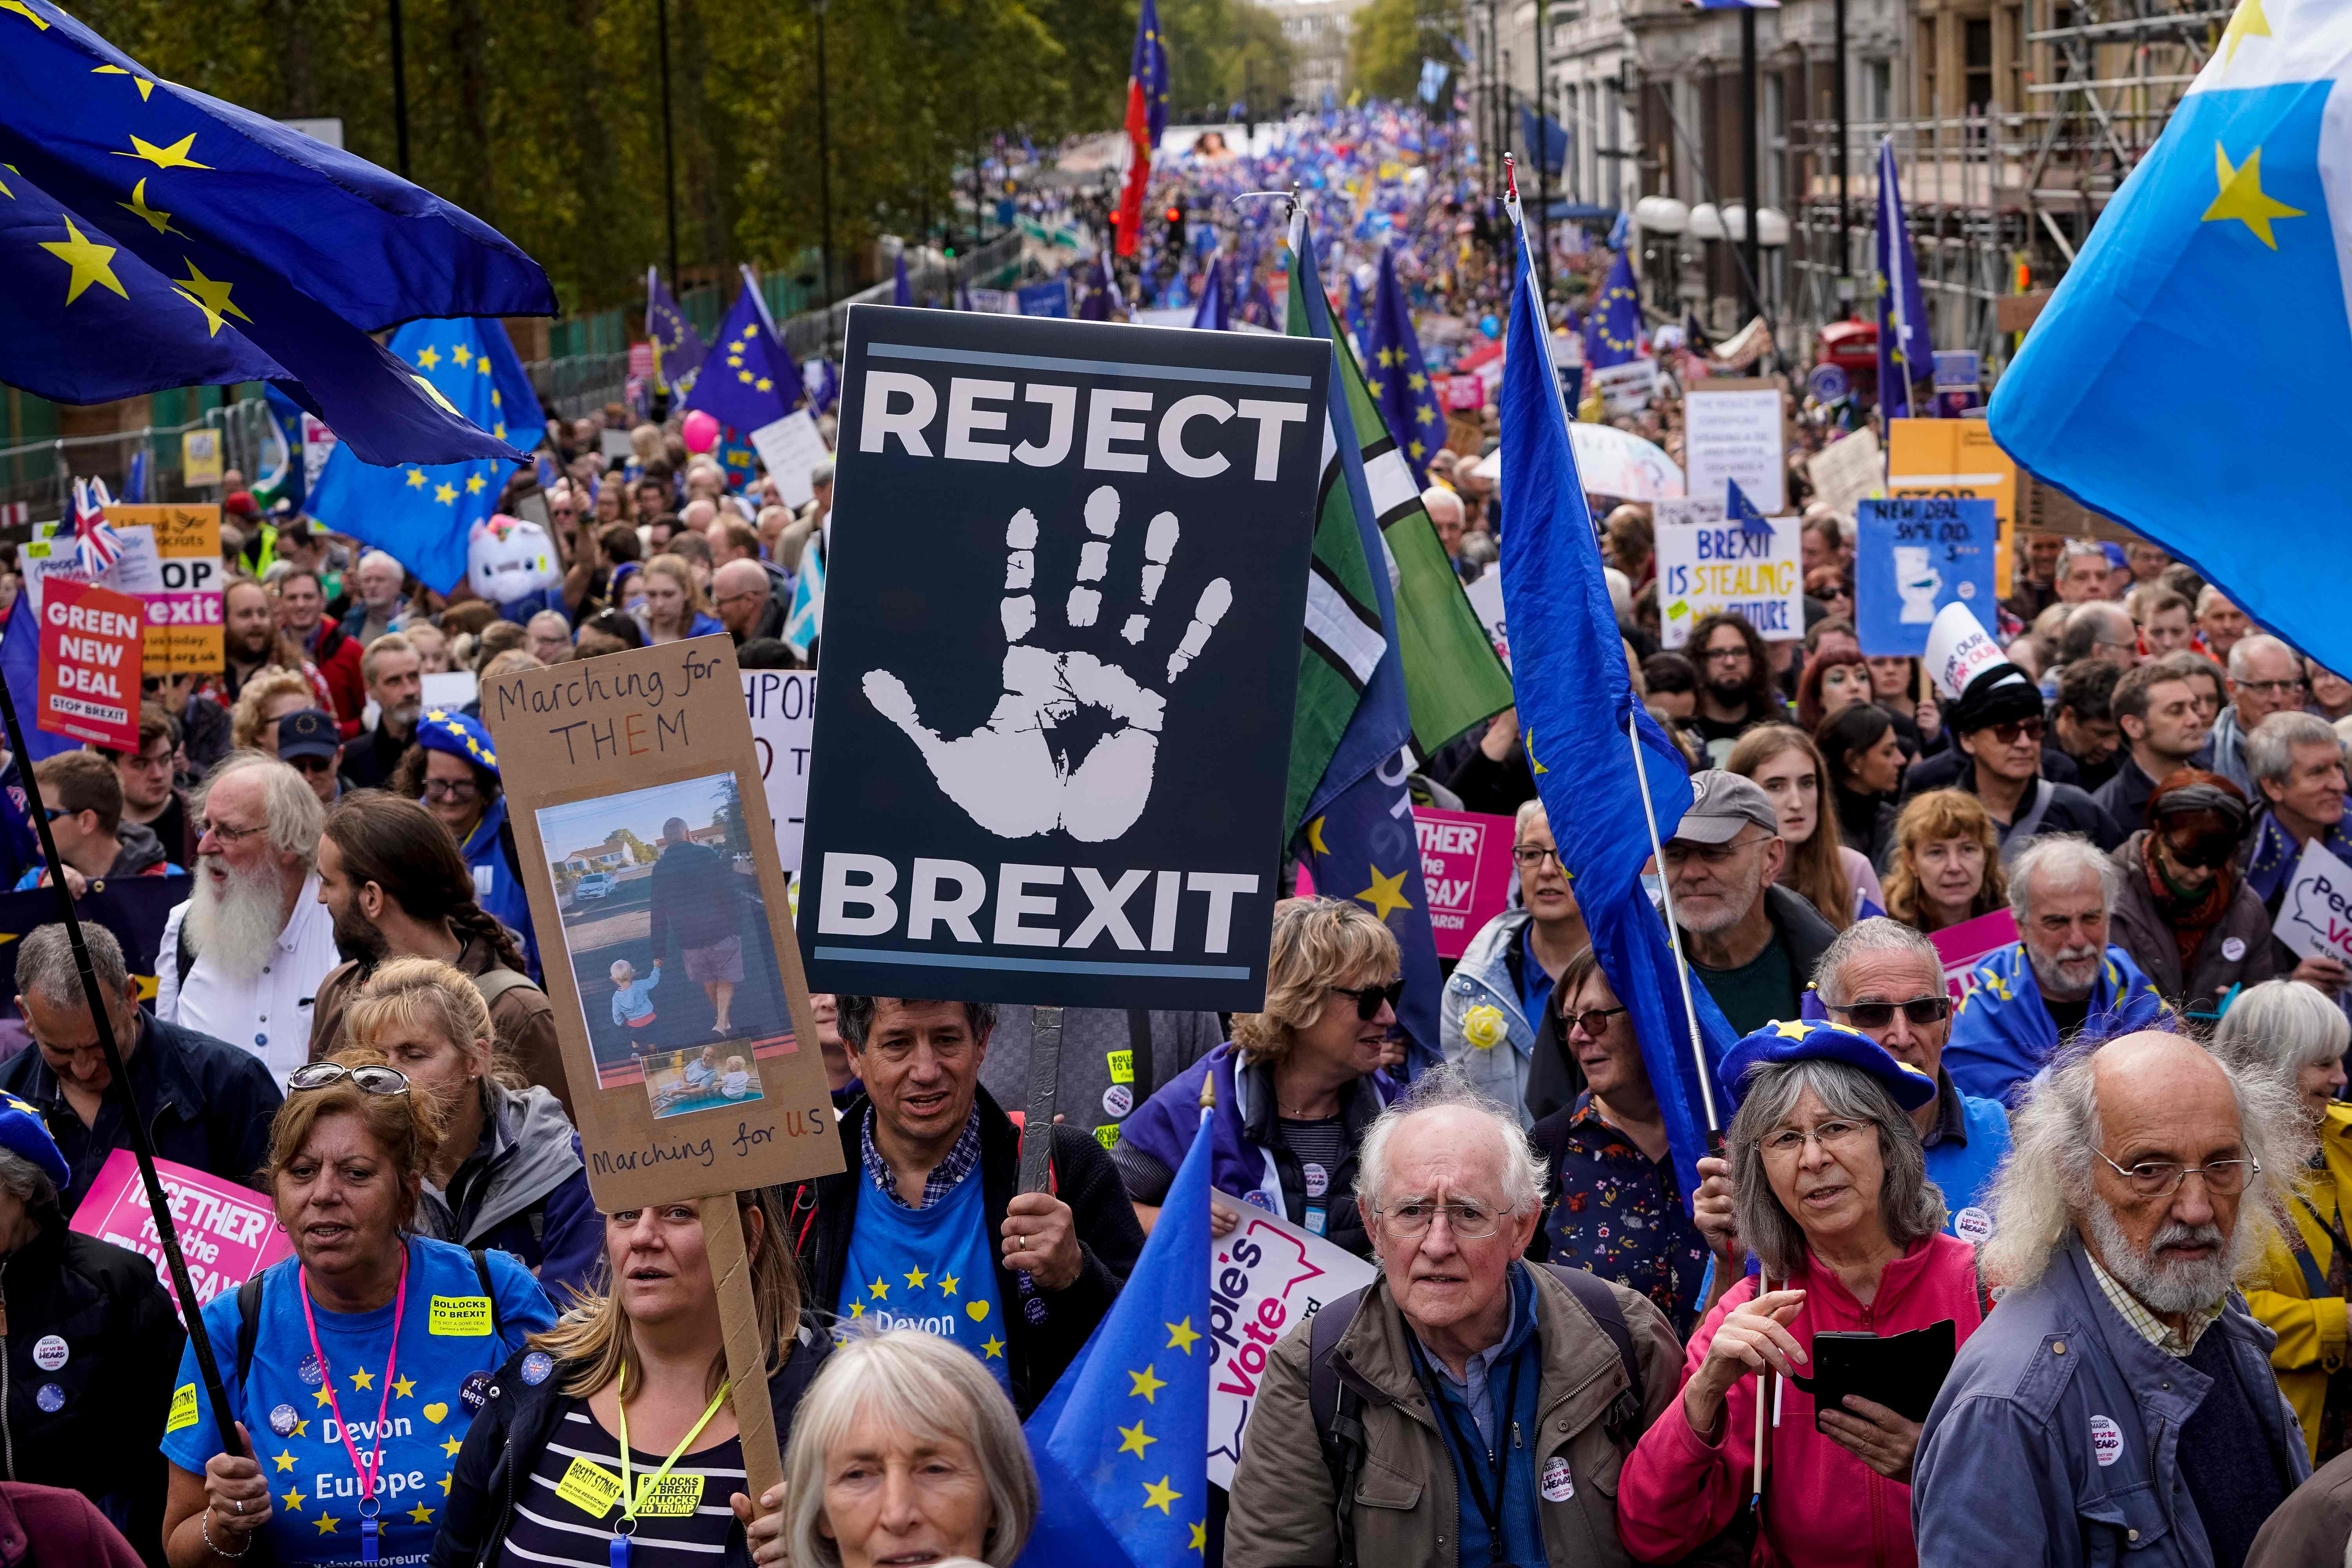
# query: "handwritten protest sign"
1964, 946
1707, 565
782, 706
91, 642
228, 1233
790, 447
1911, 559
2315, 917
1264, 1278
1734, 433
183, 612
1847, 471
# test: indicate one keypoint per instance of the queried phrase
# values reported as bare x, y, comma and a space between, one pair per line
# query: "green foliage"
640, 854
1218, 50
1387, 39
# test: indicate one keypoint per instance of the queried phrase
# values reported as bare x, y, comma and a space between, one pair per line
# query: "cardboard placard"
92, 641
636, 769
1955, 458
2315, 917
1707, 565
1848, 471
1051, 753
1911, 559
1964, 946
781, 704
1735, 432
790, 447
184, 616
200, 457
228, 1233
1264, 1278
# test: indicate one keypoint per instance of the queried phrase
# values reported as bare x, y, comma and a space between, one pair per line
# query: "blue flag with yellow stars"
1612, 332
1576, 702
678, 347
1906, 350
1122, 1441
420, 513
747, 381
154, 237
1398, 380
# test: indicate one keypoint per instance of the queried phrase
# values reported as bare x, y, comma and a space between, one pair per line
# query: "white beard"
236, 925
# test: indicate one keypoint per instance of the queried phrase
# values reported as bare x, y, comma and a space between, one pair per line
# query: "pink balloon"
702, 432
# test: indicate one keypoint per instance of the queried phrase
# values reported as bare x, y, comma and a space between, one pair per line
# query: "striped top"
551, 1529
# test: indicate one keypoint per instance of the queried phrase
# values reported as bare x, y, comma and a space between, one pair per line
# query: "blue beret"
25, 1135
1806, 1041
446, 730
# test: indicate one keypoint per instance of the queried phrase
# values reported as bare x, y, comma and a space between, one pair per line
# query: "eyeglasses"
227, 835
2162, 1178
1410, 1220
1530, 856
1920, 1010
449, 789
1368, 999
1678, 850
1787, 1141
372, 1078
1593, 1021
2008, 733
1724, 655
2272, 687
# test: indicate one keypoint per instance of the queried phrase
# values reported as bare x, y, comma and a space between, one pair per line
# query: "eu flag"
1215, 312
678, 347
1122, 1441
1147, 118
1545, 138
747, 381
1612, 332
162, 238
2226, 247
1575, 699
420, 513
1906, 353
1398, 380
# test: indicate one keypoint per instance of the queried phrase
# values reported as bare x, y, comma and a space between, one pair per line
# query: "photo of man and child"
669, 939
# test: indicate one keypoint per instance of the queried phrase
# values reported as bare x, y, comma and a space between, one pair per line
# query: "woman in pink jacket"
1832, 1194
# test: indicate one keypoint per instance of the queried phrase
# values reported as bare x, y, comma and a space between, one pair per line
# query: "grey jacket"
2236, 951
2006, 1472
2227, 743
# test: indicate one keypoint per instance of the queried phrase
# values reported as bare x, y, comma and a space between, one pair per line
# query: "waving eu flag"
1612, 332
1122, 1441
1544, 137
2227, 246
678, 347
173, 239
421, 512
1398, 380
1575, 700
1907, 352
747, 381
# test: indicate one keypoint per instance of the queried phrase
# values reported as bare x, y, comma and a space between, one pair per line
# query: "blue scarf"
2274, 852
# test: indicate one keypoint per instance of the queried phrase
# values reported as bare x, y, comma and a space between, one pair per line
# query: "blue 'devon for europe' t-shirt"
930, 1268
447, 1353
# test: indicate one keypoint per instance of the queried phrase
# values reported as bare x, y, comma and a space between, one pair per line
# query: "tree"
1219, 50
1387, 39
639, 853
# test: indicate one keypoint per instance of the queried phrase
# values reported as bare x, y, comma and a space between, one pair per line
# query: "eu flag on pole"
1215, 312
678, 347
1906, 353
1146, 116
420, 513
155, 237
1544, 137
2227, 246
1122, 1442
1612, 332
747, 381
1575, 699
1399, 380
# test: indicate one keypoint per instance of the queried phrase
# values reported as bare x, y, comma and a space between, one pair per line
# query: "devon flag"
1122, 1442
2227, 246
1575, 699
420, 513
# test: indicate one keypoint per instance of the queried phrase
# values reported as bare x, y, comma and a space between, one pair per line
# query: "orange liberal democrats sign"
92, 646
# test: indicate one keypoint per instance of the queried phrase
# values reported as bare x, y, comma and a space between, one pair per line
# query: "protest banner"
1264, 1278
1463, 393
1964, 946
1465, 864
1707, 565
781, 704
1847, 471
1955, 458
1628, 388
790, 447
1052, 796
92, 642
200, 457
1732, 432
710, 1093
2314, 919
228, 1233
1911, 559
184, 611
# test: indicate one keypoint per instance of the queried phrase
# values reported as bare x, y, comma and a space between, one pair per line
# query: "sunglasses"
2007, 734
1920, 1010
372, 1079
1368, 999
1593, 1021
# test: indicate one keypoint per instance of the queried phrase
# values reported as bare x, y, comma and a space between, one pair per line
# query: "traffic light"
1176, 228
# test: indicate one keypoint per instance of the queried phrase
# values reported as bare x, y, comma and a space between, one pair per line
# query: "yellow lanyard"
653, 1482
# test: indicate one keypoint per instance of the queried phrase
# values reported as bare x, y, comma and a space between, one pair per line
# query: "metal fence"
45, 469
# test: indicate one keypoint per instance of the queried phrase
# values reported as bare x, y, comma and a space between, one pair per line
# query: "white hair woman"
905, 1450
2293, 1031
1831, 1191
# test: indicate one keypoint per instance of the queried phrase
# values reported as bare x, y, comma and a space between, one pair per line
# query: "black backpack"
1336, 1410
248, 1312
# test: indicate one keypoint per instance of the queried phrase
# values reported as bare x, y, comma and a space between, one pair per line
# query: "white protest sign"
1959, 650
1848, 471
1734, 433
1627, 388
52, 553
1485, 597
790, 447
1707, 565
1263, 1279
2315, 917
782, 706
451, 688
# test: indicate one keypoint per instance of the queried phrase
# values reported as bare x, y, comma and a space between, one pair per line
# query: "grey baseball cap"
1722, 804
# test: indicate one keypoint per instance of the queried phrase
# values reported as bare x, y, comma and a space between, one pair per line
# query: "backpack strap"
1337, 1412
1623, 1420
496, 983
482, 1273
249, 1324
186, 955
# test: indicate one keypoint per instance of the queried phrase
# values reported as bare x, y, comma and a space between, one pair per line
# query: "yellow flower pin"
1482, 1026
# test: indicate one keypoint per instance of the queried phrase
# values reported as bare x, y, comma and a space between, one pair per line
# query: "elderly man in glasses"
2265, 677
1751, 941
2120, 1404
1491, 1017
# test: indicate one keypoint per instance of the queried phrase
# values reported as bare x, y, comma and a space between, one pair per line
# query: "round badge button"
308, 1371
51, 1398
1558, 1481
2233, 948
282, 1420
475, 1391
1972, 1224
536, 1367
2106, 1441
1117, 1100
51, 1352
1317, 1179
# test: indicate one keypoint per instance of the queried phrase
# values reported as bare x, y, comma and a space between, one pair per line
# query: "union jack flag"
96, 545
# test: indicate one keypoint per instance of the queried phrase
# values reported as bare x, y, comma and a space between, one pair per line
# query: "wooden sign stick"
747, 1350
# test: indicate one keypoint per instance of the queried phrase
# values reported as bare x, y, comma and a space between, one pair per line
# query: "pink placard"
1465, 864
1964, 946
228, 1233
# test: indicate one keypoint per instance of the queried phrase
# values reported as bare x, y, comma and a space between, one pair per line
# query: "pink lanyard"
367, 1473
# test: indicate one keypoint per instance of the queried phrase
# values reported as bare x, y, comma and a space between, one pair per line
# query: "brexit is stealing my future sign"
1065, 603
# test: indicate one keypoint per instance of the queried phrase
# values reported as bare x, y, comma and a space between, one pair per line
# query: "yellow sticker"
467, 1316
1123, 1066
183, 1408
590, 1487
673, 1496
1108, 1135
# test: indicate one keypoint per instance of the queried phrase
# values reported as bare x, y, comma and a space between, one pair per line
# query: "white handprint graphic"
1007, 775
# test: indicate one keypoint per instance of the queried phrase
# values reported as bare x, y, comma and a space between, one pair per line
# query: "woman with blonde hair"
269, 696
674, 608
1297, 1086
634, 1385
1946, 866
905, 1450
1786, 764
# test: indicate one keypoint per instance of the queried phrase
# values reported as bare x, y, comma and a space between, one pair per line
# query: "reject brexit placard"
1911, 559
1063, 615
